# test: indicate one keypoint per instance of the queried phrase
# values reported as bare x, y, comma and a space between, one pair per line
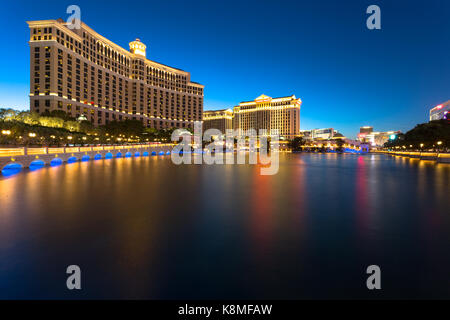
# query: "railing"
426, 155
9, 152
6, 152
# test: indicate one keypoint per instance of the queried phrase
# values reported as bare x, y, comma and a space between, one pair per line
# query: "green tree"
296, 144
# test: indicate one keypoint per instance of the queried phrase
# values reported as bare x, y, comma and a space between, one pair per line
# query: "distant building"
366, 130
328, 133
218, 119
440, 112
282, 114
377, 139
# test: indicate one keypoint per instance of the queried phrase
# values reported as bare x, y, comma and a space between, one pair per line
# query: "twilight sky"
321, 51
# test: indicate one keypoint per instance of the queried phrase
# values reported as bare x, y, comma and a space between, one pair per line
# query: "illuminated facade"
269, 113
80, 72
366, 130
218, 119
327, 133
441, 111
377, 139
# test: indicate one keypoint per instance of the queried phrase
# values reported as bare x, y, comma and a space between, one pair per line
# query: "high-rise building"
366, 130
81, 73
282, 114
218, 119
441, 111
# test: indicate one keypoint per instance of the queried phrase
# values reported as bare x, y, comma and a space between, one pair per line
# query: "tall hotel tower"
80, 72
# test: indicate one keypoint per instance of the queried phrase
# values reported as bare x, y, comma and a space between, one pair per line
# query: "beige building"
269, 113
218, 119
265, 112
81, 72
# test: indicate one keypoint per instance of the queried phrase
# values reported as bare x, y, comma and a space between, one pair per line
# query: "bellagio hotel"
282, 114
80, 72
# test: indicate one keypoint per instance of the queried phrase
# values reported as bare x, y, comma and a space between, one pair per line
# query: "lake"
146, 228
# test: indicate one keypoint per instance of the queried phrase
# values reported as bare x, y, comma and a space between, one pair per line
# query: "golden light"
53, 137
84, 138
439, 143
421, 145
32, 134
69, 137
6, 132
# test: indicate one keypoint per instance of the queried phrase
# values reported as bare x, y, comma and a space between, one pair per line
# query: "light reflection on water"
145, 228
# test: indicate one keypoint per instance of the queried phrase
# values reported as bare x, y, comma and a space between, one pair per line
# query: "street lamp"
32, 134
439, 143
69, 137
6, 132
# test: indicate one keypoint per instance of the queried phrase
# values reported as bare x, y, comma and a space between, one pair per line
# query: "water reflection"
146, 228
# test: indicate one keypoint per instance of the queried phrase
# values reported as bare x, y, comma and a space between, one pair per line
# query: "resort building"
282, 114
82, 73
377, 139
218, 119
440, 112
327, 133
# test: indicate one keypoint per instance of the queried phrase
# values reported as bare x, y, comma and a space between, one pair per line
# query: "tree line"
57, 128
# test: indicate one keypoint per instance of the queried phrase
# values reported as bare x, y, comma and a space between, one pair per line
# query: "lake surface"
146, 228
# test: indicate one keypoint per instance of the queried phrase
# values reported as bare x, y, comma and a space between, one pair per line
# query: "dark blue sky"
321, 51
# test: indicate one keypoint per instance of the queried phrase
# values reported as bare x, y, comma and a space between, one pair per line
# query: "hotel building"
376, 139
80, 72
440, 112
218, 119
327, 134
282, 114
269, 113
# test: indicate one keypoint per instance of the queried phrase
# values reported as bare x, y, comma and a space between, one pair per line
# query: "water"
145, 228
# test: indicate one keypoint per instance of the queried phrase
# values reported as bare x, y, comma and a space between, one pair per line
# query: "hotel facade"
282, 114
218, 119
80, 72
440, 112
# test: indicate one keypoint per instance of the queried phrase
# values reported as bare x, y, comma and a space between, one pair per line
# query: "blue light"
137, 154
128, 154
153, 153
392, 136
119, 155
168, 153
98, 156
108, 155
56, 162
72, 160
36, 165
85, 158
11, 169
145, 154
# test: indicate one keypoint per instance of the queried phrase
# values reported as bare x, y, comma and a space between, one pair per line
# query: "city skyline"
301, 48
